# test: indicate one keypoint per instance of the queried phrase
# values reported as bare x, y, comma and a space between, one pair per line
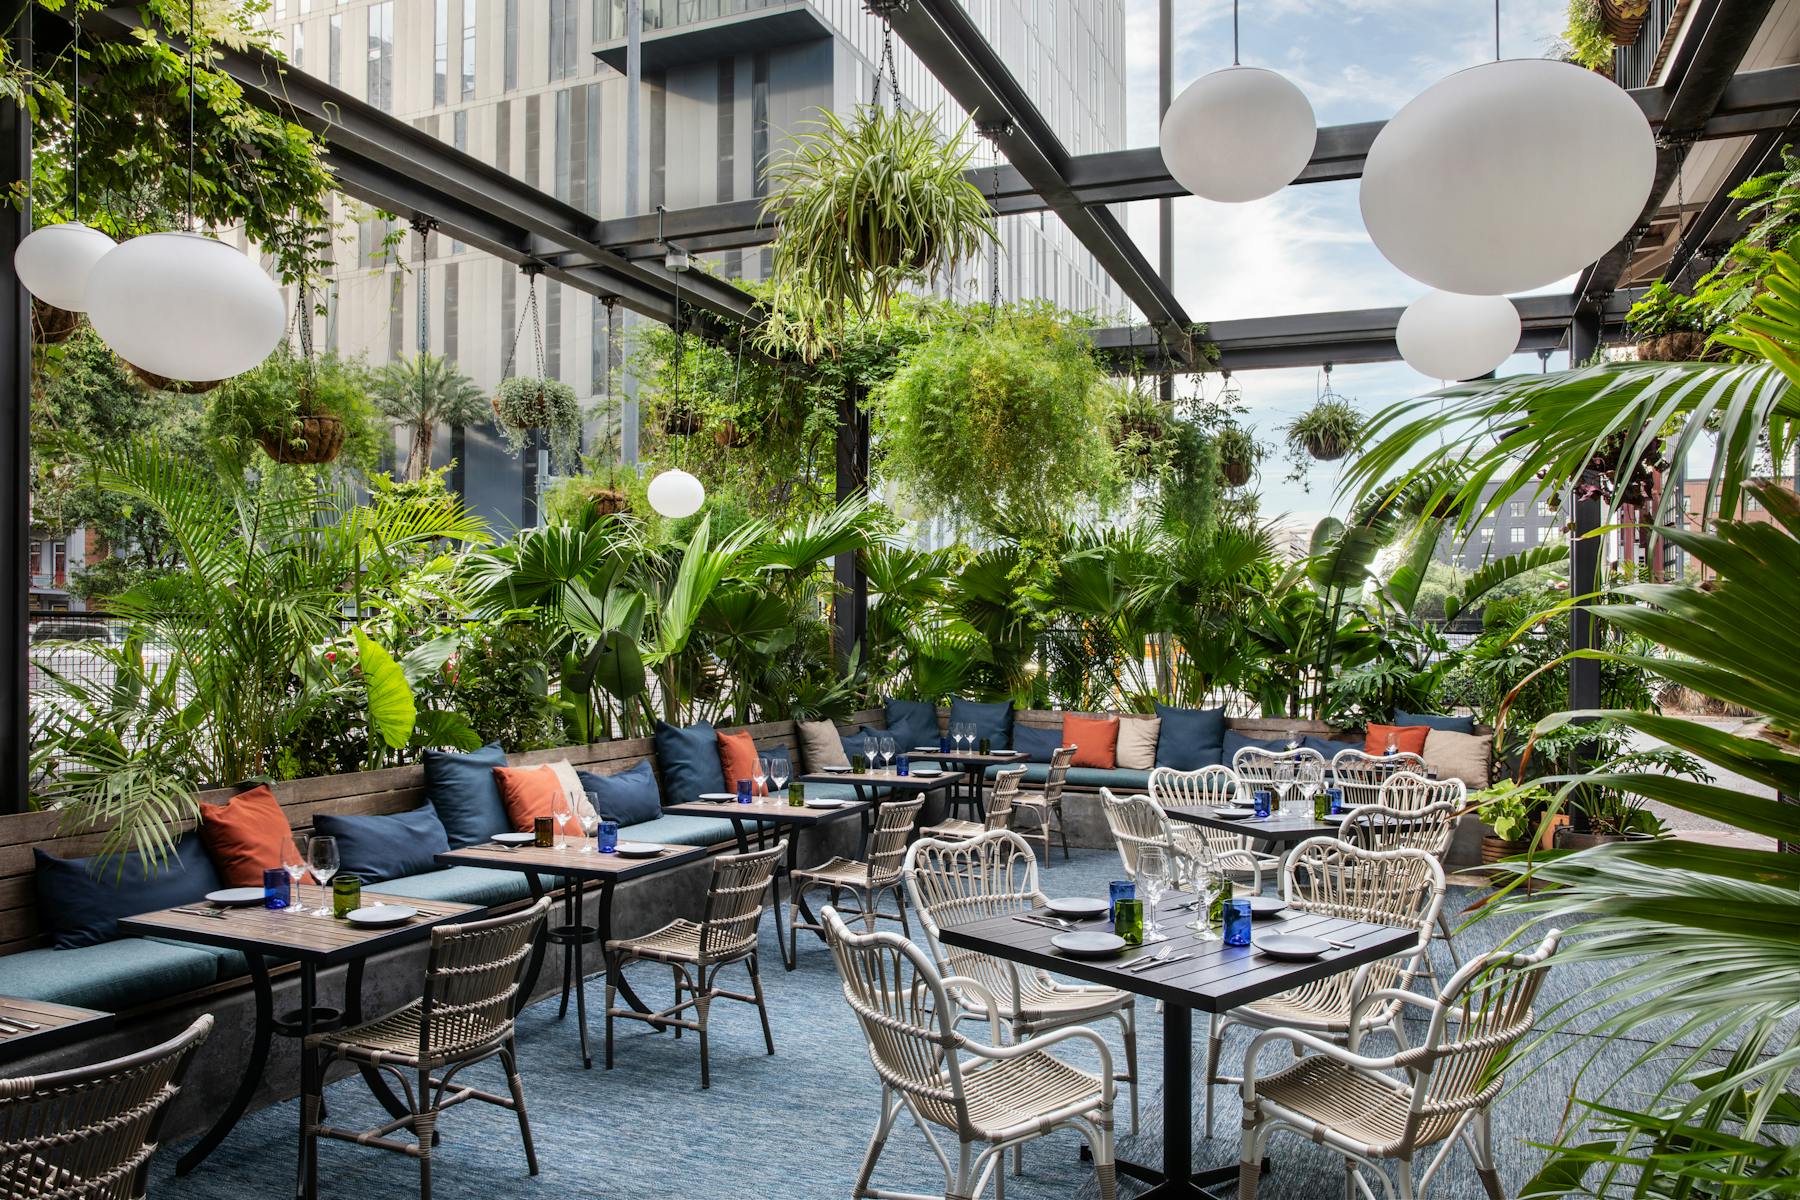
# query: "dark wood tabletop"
1269, 829
969, 757
30, 1026
277, 933
886, 779
774, 810
1218, 978
570, 860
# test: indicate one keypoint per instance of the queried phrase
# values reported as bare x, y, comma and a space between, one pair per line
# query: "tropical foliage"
421, 393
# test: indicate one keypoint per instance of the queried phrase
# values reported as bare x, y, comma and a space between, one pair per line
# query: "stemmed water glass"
759, 776
561, 815
1156, 878
778, 772
589, 817
962, 735
887, 753
322, 856
293, 861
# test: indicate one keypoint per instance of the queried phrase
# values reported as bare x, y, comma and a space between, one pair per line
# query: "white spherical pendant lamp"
1238, 134
676, 494
1507, 176
185, 306
1451, 336
54, 262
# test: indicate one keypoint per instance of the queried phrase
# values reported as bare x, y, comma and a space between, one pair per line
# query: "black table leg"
1176, 1179
254, 1068
579, 934
353, 1015
529, 986
307, 1184
614, 976
868, 812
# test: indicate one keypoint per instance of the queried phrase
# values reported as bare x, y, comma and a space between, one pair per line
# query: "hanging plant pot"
681, 422
1238, 453
727, 435
526, 406
312, 440
1622, 19
1327, 430
609, 501
1327, 447
181, 387
1683, 345
1235, 472
51, 325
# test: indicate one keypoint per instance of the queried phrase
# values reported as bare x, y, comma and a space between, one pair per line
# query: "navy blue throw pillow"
856, 741
629, 797
780, 757
689, 759
1038, 744
1329, 747
461, 787
1235, 741
1463, 724
1191, 738
992, 721
912, 723
80, 900
379, 848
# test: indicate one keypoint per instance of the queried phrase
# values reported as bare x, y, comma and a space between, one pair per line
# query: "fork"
214, 913
1047, 922
1151, 959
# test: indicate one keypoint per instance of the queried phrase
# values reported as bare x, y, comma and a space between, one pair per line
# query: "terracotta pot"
181, 387
1327, 447
50, 324
1623, 18
1236, 474
727, 436
1493, 848
1558, 823
319, 440
1684, 345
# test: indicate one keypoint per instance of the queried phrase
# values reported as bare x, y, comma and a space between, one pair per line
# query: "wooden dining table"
972, 766
1216, 979
267, 936
30, 1027
875, 788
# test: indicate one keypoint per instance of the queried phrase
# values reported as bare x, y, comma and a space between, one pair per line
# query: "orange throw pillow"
530, 793
1408, 739
245, 836
737, 759
1096, 740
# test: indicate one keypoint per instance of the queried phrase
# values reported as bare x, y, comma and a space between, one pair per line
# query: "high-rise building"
537, 88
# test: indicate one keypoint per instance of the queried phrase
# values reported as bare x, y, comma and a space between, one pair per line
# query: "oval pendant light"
675, 493
53, 262
1450, 336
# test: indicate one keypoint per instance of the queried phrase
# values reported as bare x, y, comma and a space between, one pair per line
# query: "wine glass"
322, 855
1208, 886
1155, 868
562, 815
964, 732
1393, 744
293, 861
778, 771
887, 752
589, 817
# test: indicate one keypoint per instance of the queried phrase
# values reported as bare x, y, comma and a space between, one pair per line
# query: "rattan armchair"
88, 1133
696, 953
1279, 771
867, 881
464, 1017
999, 810
1409, 789
1413, 812
988, 1096
953, 882
1046, 805
1137, 821
1374, 1109
1404, 888
1360, 776
1209, 787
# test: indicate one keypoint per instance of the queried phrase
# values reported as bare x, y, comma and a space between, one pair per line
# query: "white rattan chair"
999, 811
1360, 775
1404, 888
952, 883
1137, 821
1209, 787
1046, 805
88, 1133
1408, 790
465, 1017
1414, 812
696, 953
989, 1097
1280, 771
867, 881
1373, 1109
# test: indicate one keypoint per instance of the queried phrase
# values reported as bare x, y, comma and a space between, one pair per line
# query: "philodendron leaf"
392, 711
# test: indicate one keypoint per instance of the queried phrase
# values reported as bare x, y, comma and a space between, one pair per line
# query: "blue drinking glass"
609, 837
743, 791
1237, 922
1336, 796
1117, 890
278, 888
902, 765
1264, 802
943, 743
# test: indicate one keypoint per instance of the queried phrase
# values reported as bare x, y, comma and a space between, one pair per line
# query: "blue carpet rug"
795, 1125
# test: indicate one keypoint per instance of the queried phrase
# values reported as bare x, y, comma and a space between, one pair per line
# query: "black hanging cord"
75, 164
192, 28
1234, 33
885, 66
532, 270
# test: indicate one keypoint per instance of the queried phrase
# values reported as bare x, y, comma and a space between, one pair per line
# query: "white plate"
926, 772
638, 850
1080, 908
379, 916
837, 770
1290, 946
719, 797
1234, 814
1089, 945
928, 750
514, 839
1264, 907
826, 803
237, 897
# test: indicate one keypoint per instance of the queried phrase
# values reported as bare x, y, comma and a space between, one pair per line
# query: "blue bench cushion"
912, 722
992, 721
82, 899
689, 758
1038, 744
676, 830
467, 885
111, 976
391, 846
628, 797
1119, 779
1449, 724
230, 964
462, 789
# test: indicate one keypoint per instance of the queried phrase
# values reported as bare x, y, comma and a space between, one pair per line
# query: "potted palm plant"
1328, 430
523, 405
423, 392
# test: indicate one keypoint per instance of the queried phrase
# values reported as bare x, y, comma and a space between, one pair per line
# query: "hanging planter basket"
313, 439
1682, 345
1326, 447
1622, 19
728, 435
181, 387
681, 422
1235, 472
51, 325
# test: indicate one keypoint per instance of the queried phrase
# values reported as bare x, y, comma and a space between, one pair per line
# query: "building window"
503, 136
440, 52
297, 46
468, 49
510, 46
552, 329
1487, 533
759, 123
563, 38
396, 315
381, 55
509, 304
615, 19
727, 108
1515, 508
334, 50
659, 136
1516, 535
451, 305
532, 148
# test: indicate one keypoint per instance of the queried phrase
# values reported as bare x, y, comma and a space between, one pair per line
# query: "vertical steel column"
634, 123
1584, 558
1165, 207
15, 437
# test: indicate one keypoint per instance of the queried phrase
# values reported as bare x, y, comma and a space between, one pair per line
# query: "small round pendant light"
53, 262
1238, 134
675, 493
1450, 336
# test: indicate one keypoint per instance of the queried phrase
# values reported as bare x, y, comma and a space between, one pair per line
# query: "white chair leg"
1443, 924
1215, 1036
890, 1108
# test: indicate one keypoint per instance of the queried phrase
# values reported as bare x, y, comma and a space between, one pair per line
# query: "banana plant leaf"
392, 710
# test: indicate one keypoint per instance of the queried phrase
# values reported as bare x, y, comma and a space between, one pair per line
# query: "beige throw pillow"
1137, 742
1463, 756
571, 786
820, 744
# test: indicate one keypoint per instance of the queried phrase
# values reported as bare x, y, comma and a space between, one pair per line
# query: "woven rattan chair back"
1382, 827
1333, 878
472, 982
1136, 822
1209, 787
1000, 802
1277, 770
887, 843
1361, 775
734, 902
88, 1133
1410, 791
1058, 774
899, 1000
951, 883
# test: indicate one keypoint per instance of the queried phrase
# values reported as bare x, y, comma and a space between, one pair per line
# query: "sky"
1304, 249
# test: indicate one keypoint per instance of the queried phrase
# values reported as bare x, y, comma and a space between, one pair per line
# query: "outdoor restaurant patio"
666, 597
